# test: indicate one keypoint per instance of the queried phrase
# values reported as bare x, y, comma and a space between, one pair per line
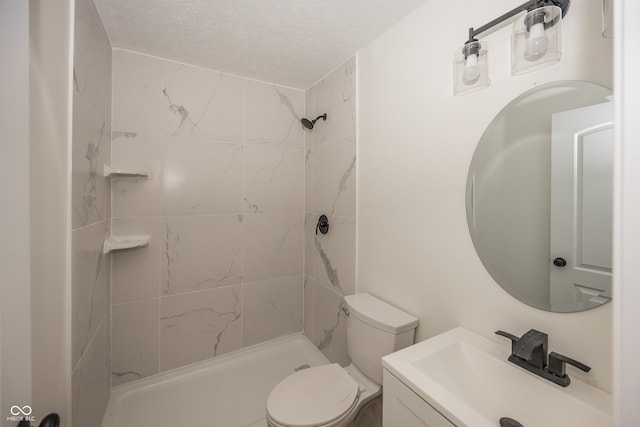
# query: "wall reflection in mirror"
539, 196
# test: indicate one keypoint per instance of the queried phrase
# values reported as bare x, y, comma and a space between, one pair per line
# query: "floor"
229, 391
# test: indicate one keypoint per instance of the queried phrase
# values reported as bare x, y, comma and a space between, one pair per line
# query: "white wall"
626, 387
415, 145
50, 77
15, 289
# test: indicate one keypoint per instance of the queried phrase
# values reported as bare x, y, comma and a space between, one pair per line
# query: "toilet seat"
313, 397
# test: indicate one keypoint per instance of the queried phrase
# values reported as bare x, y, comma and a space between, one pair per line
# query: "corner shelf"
111, 172
115, 243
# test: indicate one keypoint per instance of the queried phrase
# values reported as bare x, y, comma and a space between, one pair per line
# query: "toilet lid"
312, 397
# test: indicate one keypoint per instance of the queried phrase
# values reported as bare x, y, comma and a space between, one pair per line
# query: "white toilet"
331, 396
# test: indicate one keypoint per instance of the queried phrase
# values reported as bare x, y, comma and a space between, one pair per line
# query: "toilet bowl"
326, 395
331, 396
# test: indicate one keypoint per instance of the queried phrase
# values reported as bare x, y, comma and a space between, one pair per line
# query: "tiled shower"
330, 174
223, 205
91, 219
234, 190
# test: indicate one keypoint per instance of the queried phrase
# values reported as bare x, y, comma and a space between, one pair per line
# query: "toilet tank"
374, 329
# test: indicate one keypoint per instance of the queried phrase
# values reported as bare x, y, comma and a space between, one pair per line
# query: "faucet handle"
557, 364
514, 339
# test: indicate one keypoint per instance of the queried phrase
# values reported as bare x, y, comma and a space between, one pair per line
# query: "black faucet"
530, 352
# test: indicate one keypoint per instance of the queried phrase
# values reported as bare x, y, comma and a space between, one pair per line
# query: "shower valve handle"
323, 224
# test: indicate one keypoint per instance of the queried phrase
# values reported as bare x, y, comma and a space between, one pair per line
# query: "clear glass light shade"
470, 68
535, 42
607, 19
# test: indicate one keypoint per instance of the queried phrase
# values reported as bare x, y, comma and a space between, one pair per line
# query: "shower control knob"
323, 224
559, 262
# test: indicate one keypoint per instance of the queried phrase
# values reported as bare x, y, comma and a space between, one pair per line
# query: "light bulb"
471, 71
537, 42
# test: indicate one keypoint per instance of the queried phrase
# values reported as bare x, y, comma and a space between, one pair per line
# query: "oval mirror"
539, 196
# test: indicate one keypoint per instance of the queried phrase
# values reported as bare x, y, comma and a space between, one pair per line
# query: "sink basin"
468, 379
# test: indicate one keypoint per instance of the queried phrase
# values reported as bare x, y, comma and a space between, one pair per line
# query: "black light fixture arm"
528, 6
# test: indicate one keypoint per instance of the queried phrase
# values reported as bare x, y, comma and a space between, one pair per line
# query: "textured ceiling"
290, 42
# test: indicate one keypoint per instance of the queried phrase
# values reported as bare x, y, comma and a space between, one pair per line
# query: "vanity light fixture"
470, 68
535, 43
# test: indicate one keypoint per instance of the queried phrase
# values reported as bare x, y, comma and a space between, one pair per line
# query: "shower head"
306, 123
310, 123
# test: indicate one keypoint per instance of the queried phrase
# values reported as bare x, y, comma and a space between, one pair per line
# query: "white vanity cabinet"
402, 407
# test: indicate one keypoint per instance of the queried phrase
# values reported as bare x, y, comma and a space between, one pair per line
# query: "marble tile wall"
330, 189
224, 205
91, 221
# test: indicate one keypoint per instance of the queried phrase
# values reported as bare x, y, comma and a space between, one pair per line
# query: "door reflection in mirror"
582, 206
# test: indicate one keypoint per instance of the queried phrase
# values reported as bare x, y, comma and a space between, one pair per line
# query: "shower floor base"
229, 391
